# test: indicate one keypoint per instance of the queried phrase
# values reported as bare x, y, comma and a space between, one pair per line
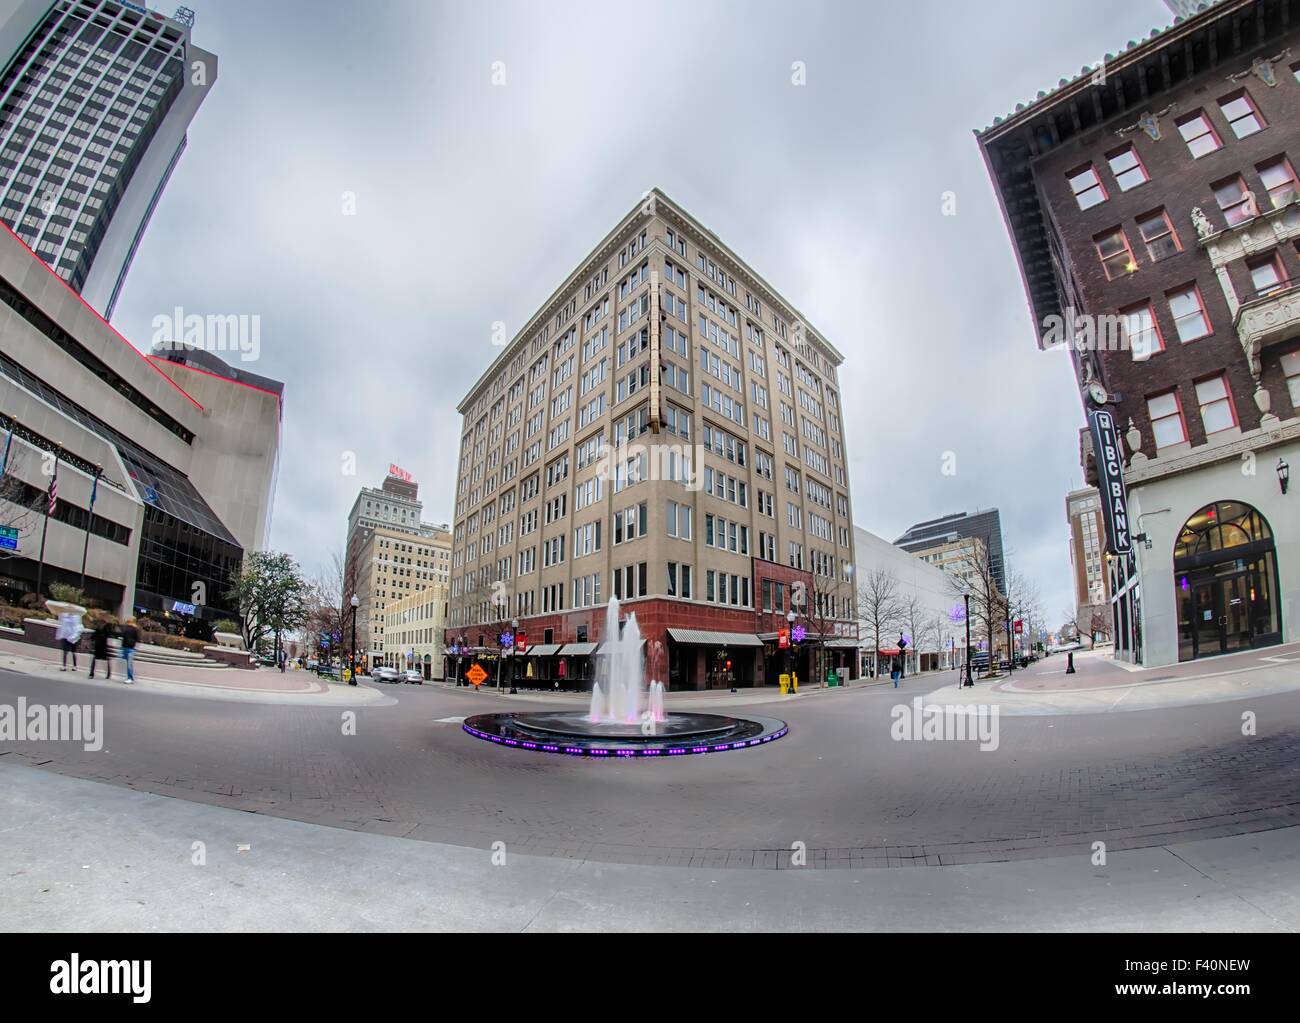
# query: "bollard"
1069, 663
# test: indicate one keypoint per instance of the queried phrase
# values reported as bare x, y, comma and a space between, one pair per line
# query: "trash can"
832, 679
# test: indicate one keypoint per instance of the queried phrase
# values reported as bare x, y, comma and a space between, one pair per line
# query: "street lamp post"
514, 636
969, 680
789, 647
356, 603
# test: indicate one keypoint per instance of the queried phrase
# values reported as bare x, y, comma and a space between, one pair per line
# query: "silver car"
413, 677
384, 674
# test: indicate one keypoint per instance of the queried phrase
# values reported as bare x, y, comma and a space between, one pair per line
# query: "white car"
384, 674
413, 677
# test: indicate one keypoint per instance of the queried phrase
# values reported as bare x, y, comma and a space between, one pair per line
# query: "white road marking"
450, 721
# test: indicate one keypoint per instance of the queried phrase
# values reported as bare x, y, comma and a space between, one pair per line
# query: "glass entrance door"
1207, 636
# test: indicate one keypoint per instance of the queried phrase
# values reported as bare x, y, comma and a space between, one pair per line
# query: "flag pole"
85, 550
45, 527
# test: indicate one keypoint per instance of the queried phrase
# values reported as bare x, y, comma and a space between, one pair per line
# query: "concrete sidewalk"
80, 855
1101, 687
259, 685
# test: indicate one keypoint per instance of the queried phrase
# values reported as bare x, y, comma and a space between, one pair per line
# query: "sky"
381, 182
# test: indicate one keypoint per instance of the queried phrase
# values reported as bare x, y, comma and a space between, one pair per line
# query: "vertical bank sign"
1110, 481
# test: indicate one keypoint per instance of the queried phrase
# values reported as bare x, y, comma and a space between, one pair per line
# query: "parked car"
413, 677
383, 673
329, 671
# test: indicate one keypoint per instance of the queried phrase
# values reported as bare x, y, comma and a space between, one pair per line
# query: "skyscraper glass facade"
79, 104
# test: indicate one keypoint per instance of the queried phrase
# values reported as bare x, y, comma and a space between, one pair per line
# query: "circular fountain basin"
574, 734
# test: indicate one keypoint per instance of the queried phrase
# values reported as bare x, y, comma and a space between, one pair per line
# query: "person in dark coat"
99, 649
129, 636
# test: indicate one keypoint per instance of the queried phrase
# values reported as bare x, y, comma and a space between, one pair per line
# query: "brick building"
1152, 205
666, 430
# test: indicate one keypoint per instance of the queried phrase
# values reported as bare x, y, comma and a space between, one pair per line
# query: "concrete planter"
235, 658
229, 640
40, 631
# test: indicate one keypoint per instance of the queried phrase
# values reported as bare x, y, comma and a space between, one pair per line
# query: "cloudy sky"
474, 201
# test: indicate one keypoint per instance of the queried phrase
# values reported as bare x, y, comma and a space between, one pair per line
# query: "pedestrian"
129, 637
283, 658
69, 635
99, 649
894, 672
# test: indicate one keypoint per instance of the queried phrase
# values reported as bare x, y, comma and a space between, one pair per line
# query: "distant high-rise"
985, 526
95, 100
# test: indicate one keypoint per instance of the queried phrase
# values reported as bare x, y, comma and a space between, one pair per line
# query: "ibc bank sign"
1110, 473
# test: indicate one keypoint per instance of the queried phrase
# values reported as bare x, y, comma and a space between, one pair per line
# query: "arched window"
1220, 526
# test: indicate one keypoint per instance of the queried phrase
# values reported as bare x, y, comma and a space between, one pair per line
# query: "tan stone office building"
390, 554
1088, 560
413, 631
665, 430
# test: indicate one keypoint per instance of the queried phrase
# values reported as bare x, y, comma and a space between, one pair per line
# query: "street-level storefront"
698, 659
1217, 566
1225, 569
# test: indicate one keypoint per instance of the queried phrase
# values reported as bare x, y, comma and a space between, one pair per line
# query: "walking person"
283, 659
129, 636
99, 649
894, 672
69, 635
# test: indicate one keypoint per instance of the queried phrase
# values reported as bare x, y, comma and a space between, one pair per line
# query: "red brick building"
1154, 211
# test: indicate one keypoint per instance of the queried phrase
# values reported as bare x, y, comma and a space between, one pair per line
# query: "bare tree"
880, 608
974, 576
19, 509
823, 609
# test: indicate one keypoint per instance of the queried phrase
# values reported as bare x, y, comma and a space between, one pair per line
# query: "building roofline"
650, 199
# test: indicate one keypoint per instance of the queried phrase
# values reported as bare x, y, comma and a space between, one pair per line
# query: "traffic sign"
476, 674
8, 538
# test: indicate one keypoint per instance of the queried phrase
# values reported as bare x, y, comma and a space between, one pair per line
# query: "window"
1236, 201
1166, 420
1141, 332
1188, 311
1216, 405
1241, 114
1087, 187
1291, 369
1127, 167
1279, 181
1115, 254
1159, 235
1266, 274
1199, 134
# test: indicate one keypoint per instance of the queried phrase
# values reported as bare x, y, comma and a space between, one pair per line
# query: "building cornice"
653, 203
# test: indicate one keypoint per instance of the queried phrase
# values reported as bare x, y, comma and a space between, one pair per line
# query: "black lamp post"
356, 603
789, 647
514, 636
1283, 474
969, 680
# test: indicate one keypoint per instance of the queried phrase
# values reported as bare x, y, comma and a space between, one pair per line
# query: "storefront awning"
542, 650
842, 643
605, 643
578, 649
696, 637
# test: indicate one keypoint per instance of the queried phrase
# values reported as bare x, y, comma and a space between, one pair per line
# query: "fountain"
625, 716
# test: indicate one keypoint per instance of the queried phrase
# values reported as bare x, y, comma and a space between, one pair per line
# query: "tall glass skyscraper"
95, 100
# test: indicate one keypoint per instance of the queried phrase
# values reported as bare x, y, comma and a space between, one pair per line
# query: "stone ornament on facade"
1204, 229
1262, 68
1133, 438
1149, 123
1267, 322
